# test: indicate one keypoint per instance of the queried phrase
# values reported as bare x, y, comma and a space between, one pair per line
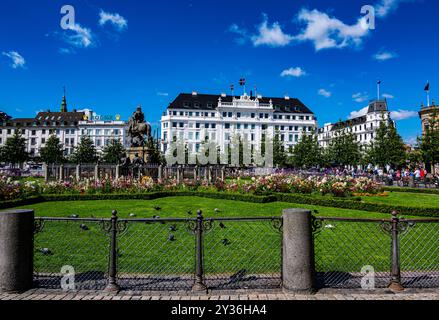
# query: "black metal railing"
159, 254
403, 253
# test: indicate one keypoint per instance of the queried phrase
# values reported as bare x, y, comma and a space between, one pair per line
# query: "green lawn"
178, 207
254, 246
406, 199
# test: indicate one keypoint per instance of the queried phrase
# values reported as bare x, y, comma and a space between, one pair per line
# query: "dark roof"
378, 106
60, 116
47, 118
209, 102
349, 123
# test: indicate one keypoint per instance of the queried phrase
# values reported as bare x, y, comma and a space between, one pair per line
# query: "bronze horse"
138, 132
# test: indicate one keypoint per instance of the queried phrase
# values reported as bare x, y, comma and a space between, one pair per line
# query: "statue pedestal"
142, 152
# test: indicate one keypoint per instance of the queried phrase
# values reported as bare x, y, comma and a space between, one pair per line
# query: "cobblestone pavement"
432, 294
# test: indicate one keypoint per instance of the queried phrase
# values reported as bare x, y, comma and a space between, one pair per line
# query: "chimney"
194, 93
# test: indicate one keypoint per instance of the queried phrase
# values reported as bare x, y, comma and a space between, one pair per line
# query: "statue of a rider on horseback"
138, 128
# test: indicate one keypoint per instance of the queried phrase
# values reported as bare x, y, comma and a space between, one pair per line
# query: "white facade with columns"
196, 118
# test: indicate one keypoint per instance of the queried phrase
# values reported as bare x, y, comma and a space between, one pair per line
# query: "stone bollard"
223, 174
298, 251
61, 173
46, 172
160, 173
16, 250
117, 171
97, 172
78, 172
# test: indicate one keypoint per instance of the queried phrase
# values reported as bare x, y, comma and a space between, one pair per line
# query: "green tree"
344, 149
14, 151
387, 148
280, 157
156, 156
429, 142
113, 152
307, 152
85, 152
52, 152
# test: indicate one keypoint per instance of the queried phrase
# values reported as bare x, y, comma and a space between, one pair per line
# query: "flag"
242, 82
379, 82
427, 87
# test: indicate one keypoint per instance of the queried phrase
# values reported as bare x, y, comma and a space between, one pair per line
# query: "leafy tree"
387, 148
14, 150
307, 153
113, 152
85, 152
429, 142
280, 156
344, 150
156, 156
52, 152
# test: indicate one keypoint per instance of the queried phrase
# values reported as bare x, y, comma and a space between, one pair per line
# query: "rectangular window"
213, 126
253, 115
227, 126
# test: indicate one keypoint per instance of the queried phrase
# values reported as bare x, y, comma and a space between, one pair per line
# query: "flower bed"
287, 184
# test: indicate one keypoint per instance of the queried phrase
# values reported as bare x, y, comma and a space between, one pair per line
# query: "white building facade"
197, 118
69, 127
363, 127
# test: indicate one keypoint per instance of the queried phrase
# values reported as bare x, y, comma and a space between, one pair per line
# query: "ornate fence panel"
87, 171
419, 245
243, 253
345, 247
64, 243
156, 255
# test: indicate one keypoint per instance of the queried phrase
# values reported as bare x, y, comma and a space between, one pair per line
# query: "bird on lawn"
171, 237
190, 212
157, 208
222, 226
132, 215
173, 228
46, 251
84, 227
225, 242
74, 216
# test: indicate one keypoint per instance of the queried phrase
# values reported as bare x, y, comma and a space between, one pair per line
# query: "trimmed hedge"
288, 198
412, 190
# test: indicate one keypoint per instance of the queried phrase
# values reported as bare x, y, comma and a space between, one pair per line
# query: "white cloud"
385, 7
119, 22
385, 55
78, 36
403, 115
242, 34
388, 96
412, 141
327, 32
17, 61
359, 113
360, 97
325, 93
163, 94
293, 72
271, 35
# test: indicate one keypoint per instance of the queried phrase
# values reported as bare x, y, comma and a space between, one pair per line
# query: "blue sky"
123, 53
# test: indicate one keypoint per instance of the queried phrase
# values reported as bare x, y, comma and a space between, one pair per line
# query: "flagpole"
378, 90
428, 94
